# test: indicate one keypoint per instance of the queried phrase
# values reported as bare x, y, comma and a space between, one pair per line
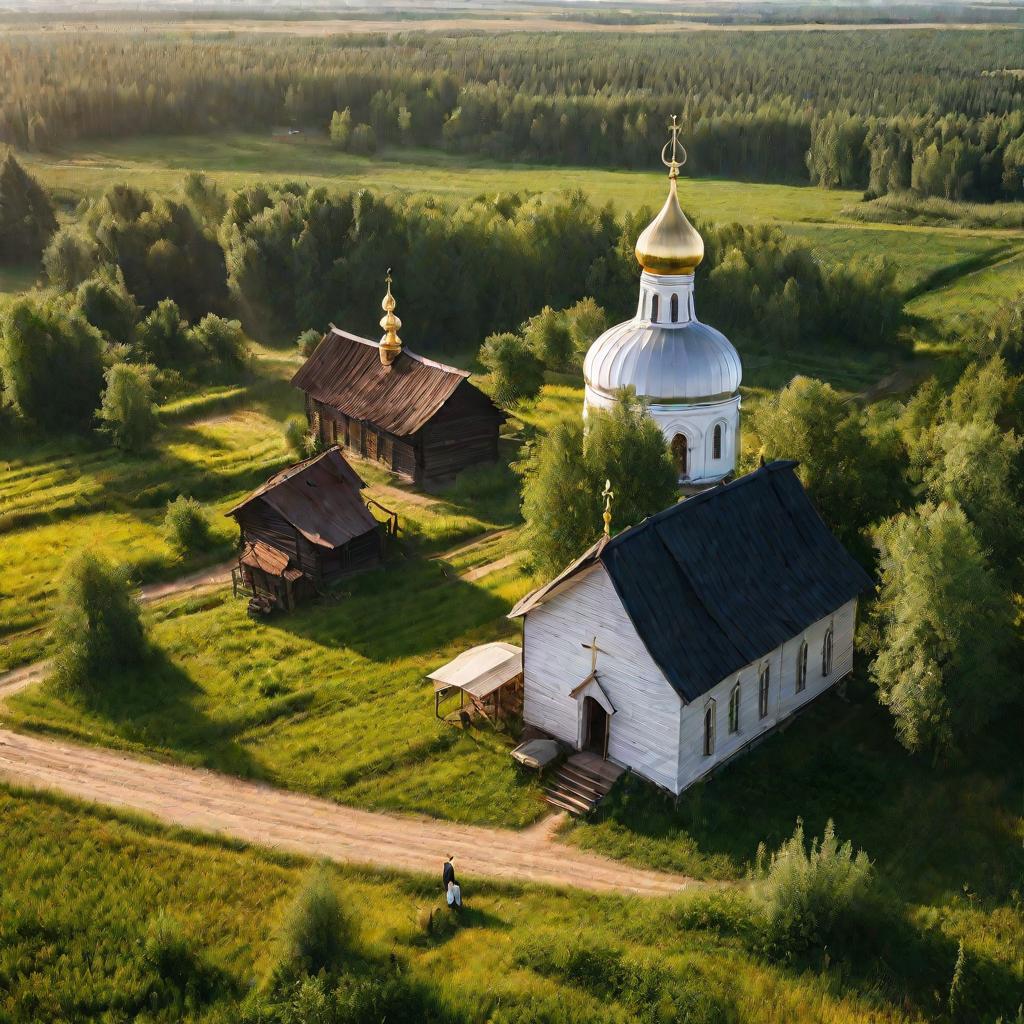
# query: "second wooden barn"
305, 528
420, 418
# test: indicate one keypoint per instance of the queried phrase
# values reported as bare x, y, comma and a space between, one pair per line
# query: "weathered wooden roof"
345, 372
319, 497
723, 578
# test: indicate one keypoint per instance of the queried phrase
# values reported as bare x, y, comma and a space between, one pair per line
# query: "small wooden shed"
490, 675
307, 527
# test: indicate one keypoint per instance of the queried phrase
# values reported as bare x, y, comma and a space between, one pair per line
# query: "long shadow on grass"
913, 967
410, 608
931, 830
155, 707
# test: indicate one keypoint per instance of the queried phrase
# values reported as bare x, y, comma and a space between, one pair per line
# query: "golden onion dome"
670, 244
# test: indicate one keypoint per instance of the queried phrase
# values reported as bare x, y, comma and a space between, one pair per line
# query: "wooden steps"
580, 783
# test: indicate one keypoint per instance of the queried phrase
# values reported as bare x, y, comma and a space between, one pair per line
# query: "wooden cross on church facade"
594, 651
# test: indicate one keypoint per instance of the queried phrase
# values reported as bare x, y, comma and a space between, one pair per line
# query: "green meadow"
235, 160
80, 888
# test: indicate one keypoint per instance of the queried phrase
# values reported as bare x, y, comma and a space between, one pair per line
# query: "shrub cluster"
187, 525
810, 896
96, 627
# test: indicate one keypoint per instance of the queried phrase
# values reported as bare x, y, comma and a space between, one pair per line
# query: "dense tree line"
754, 105
300, 257
929, 490
954, 156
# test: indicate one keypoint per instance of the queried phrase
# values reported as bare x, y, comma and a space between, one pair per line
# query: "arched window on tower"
716, 442
826, 653
654, 309
674, 307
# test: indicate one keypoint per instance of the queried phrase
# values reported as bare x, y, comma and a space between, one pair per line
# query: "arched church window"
654, 309
763, 687
826, 653
674, 307
709, 729
680, 455
801, 668
716, 442
734, 709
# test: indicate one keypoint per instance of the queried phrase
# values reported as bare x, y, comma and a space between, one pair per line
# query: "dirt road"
317, 828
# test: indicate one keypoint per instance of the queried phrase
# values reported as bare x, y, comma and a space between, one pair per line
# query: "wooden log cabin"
420, 418
306, 528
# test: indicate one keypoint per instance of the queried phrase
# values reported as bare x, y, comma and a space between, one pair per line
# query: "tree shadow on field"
156, 707
931, 830
406, 609
912, 967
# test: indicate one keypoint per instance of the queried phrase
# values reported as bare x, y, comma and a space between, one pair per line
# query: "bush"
363, 140
105, 302
167, 951
295, 431
315, 931
51, 364
585, 321
69, 259
219, 342
516, 370
96, 627
810, 897
164, 339
308, 340
548, 335
127, 411
187, 525
27, 219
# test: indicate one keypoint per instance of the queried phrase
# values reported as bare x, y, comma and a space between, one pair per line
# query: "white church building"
677, 644
687, 373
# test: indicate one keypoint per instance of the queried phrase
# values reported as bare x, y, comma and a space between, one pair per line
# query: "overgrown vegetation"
187, 525
810, 895
565, 475
96, 627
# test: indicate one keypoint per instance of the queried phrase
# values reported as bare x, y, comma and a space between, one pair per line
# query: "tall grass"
811, 894
107, 917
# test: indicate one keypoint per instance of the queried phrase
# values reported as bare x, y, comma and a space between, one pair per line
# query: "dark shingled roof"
320, 498
723, 578
345, 372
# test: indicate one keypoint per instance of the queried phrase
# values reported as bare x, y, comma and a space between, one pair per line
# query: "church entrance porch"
595, 727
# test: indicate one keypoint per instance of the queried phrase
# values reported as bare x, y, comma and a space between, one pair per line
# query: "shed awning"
258, 555
481, 670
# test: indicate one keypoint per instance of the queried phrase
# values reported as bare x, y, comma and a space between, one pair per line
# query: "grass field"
237, 159
80, 887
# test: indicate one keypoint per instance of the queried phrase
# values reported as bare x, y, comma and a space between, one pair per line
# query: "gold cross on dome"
607, 494
674, 163
594, 650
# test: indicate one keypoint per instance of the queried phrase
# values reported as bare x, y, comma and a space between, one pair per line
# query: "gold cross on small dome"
607, 494
673, 164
